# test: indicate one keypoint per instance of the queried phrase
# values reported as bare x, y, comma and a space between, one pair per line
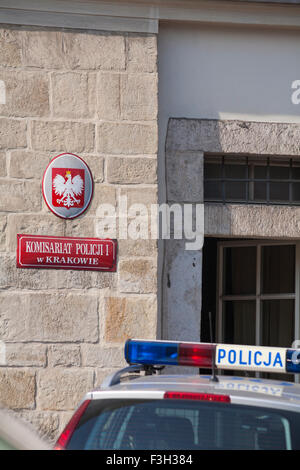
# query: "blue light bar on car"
204, 355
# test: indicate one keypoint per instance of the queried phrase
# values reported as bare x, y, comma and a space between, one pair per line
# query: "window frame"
258, 297
249, 180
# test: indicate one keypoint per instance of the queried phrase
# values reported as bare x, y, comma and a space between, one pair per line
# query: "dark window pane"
278, 269
296, 173
235, 171
278, 329
239, 322
240, 270
213, 190
260, 172
212, 170
279, 172
279, 192
296, 192
235, 191
260, 191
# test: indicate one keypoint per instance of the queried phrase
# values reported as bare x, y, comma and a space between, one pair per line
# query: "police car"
139, 408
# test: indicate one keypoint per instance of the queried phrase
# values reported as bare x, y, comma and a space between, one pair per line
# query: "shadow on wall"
187, 141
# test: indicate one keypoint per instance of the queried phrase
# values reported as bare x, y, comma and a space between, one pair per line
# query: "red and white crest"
67, 186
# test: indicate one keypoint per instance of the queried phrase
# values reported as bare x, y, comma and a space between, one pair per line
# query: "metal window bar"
250, 181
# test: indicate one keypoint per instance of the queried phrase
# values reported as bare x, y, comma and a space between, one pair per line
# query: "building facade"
178, 103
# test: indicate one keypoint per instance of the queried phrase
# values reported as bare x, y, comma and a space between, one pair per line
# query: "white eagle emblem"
68, 188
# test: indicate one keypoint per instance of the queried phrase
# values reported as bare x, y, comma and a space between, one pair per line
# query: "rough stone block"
3, 226
26, 354
34, 225
73, 94
137, 248
10, 48
132, 315
64, 355
96, 165
94, 50
102, 195
63, 136
137, 276
140, 195
108, 96
131, 170
2, 164
95, 355
13, 133
28, 164
17, 388
27, 94
43, 48
49, 317
20, 196
139, 97
62, 389
185, 177
126, 139
142, 53
102, 374
45, 423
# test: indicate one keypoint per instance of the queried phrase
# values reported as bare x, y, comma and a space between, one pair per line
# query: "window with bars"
251, 180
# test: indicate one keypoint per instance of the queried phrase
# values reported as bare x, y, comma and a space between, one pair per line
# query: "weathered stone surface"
137, 248
26, 354
108, 96
12, 133
48, 317
94, 50
17, 388
28, 164
64, 355
185, 177
132, 315
214, 136
43, 48
259, 221
103, 194
72, 279
126, 139
45, 423
3, 226
95, 355
102, 374
137, 276
142, 53
34, 225
27, 94
73, 94
2, 164
182, 292
10, 48
20, 196
62, 136
62, 389
139, 97
140, 195
131, 170
96, 165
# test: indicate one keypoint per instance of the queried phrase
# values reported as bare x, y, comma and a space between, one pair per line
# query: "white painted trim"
144, 15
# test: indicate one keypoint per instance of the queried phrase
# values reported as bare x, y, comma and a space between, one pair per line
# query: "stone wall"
93, 94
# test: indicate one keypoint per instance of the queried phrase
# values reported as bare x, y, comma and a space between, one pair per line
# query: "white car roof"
242, 390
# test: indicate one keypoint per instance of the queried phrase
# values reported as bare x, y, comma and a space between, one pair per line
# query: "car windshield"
183, 424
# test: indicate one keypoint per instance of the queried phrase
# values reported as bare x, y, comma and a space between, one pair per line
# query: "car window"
183, 424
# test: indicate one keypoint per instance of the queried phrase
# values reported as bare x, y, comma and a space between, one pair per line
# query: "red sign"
91, 254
